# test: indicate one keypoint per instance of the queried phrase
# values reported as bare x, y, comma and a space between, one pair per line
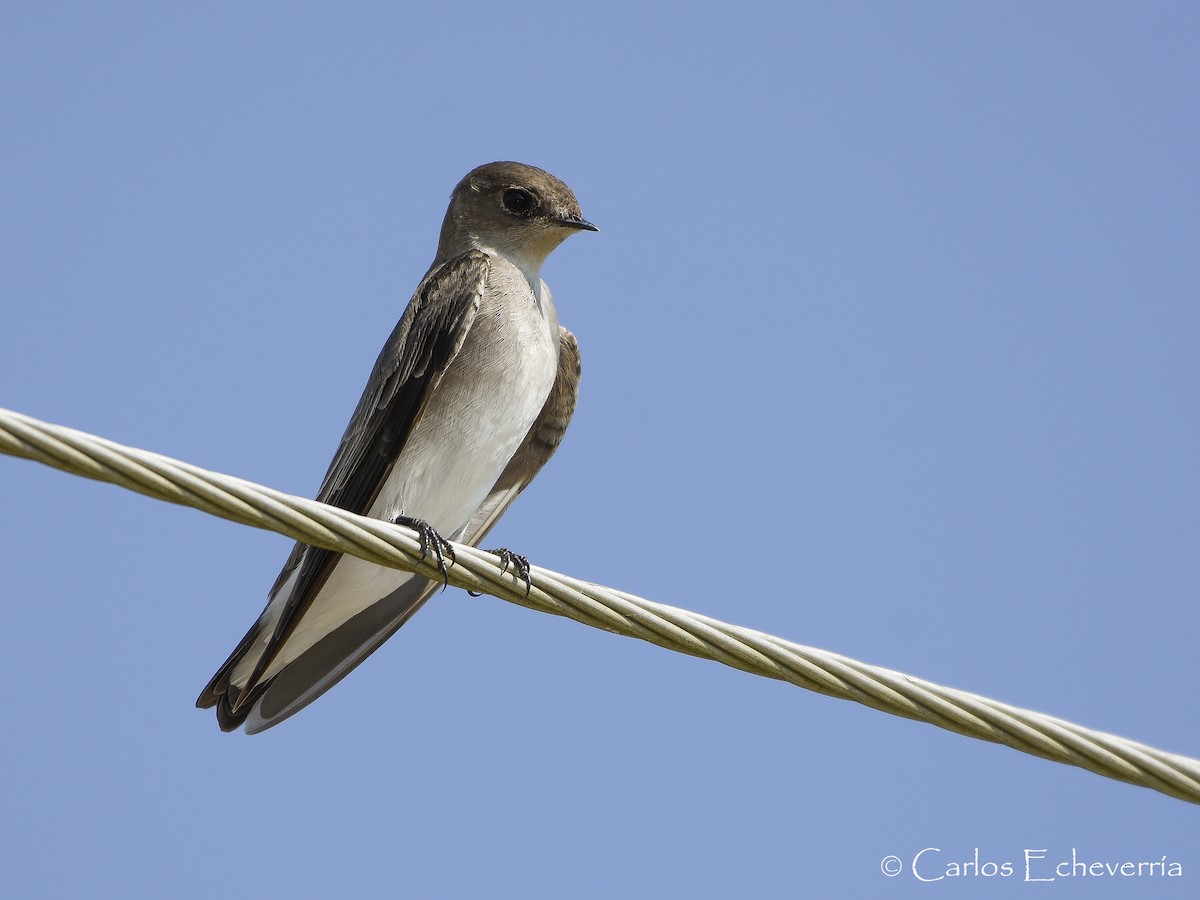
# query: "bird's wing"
337, 654
421, 347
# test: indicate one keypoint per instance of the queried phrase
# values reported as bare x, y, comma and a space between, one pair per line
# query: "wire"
601, 607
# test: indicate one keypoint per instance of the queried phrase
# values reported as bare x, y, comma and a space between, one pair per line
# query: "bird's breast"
472, 422
481, 409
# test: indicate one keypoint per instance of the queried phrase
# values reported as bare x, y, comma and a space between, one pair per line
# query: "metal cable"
601, 607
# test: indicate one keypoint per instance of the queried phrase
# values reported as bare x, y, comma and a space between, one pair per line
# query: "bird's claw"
431, 540
520, 565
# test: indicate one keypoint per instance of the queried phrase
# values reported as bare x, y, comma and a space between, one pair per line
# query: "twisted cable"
601, 607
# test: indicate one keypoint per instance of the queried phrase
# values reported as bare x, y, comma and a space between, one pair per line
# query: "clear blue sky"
890, 347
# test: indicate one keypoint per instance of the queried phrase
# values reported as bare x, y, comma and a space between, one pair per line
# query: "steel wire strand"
601, 607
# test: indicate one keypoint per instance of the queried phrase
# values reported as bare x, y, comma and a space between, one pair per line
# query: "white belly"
473, 422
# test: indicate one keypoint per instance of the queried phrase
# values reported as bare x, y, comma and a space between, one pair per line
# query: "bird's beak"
576, 222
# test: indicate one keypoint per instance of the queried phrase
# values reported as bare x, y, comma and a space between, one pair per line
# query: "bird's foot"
520, 567
431, 541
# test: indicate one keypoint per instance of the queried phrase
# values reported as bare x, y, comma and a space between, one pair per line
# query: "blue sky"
890, 347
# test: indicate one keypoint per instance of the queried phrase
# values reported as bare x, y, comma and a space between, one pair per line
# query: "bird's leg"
431, 540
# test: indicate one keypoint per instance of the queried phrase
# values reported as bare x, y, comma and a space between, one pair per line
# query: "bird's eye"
518, 201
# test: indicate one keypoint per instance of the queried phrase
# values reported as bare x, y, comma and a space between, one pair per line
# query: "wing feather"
337, 654
420, 348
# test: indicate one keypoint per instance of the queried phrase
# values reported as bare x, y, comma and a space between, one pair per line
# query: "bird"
469, 397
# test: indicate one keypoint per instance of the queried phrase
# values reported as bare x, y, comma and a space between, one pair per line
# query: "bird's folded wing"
420, 348
337, 654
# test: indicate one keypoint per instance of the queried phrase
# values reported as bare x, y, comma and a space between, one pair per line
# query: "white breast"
473, 422
480, 411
